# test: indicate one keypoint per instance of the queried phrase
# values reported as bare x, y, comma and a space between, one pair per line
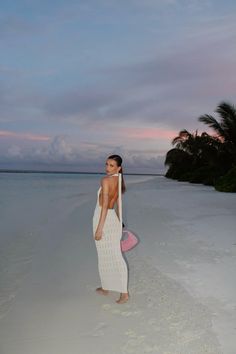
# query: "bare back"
112, 192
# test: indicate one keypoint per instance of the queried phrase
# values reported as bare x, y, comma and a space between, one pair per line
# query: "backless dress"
112, 267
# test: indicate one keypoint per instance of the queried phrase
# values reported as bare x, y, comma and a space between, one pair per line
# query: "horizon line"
73, 172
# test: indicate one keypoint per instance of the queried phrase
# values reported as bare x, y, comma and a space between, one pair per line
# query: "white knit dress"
111, 264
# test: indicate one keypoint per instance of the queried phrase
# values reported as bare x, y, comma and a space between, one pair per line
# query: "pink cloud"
24, 136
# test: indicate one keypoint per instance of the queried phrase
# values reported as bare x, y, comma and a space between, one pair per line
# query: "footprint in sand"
96, 332
130, 333
98, 329
106, 306
118, 311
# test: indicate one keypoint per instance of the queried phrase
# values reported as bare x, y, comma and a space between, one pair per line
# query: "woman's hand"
98, 234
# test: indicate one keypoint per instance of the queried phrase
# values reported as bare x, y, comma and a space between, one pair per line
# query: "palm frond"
227, 112
183, 135
213, 123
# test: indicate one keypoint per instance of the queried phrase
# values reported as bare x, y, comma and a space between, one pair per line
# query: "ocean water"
32, 205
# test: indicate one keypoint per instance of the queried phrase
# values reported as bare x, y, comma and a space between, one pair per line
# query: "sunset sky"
80, 80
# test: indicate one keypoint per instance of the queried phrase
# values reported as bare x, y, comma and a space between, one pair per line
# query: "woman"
107, 230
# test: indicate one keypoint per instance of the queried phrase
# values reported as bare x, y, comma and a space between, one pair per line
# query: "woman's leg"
124, 297
102, 291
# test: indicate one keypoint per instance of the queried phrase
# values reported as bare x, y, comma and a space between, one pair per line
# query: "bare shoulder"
105, 179
105, 182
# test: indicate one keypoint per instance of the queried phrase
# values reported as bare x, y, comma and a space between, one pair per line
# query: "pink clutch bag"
129, 242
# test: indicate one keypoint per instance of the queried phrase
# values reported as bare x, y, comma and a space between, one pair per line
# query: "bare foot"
102, 291
123, 298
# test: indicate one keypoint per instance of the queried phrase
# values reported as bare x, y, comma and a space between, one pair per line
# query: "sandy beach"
181, 274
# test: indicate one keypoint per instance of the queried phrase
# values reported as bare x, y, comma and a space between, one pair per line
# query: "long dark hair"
118, 160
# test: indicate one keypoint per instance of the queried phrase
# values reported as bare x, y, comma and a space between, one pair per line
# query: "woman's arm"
105, 202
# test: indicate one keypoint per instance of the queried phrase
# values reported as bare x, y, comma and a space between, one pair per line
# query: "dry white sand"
182, 278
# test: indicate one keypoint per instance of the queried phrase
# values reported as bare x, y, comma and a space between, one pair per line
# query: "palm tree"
226, 127
176, 157
181, 158
205, 158
192, 152
178, 161
225, 130
197, 146
182, 152
185, 141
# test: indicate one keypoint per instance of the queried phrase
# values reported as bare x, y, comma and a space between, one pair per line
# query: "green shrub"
227, 183
185, 177
207, 175
174, 172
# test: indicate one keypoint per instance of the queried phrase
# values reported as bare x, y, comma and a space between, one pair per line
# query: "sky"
81, 80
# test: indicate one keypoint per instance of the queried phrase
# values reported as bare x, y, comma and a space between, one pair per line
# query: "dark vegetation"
207, 159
